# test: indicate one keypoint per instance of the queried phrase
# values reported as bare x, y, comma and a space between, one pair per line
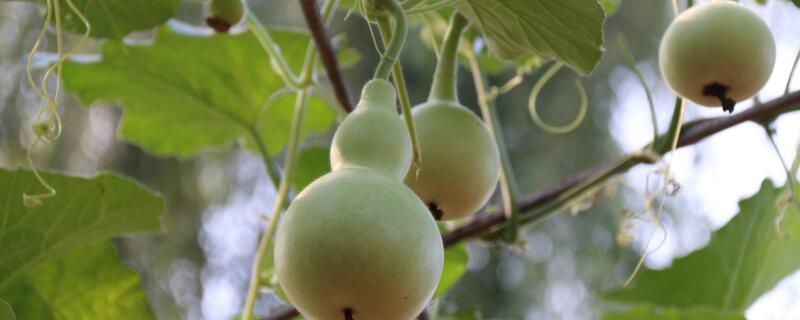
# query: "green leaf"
744, 259
276, 123
796, 3
186, 93
651, 313
84, 210
455, 264
313, 162
89, 282
114, 18
568, 31
5, 311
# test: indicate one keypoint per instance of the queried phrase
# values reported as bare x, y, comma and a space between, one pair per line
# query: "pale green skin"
358, 239
460, 159
373, 136
719, 41
230, 11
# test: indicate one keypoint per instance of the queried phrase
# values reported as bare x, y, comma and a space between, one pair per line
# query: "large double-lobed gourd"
357, 243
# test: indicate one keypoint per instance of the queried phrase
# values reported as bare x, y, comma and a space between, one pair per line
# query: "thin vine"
48, 129
508, 186
630, 60
279, 64
262, 252
392, 52
384, 27
532, 106
791, 73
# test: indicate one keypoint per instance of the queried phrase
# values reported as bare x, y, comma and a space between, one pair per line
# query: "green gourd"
717, 53
224, 14
460, 163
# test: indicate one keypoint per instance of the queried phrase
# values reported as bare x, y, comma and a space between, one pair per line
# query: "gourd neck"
378, 94
444, 78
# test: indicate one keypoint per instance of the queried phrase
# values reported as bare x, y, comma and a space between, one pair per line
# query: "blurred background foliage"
198, 268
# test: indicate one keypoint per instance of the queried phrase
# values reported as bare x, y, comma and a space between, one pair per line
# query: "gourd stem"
279, 64
444, 78
405, 104
392, 53
673, 132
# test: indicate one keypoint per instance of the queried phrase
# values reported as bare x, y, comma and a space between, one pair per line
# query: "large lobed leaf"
184, 93
568, 31
114, 18
744, 259
84, 210
89, 282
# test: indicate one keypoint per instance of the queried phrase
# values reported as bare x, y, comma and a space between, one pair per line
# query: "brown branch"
318, 31
692, 133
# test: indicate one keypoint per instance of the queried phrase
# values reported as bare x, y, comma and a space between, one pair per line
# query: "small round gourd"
224, 14
460, 160
373, 136
717, 53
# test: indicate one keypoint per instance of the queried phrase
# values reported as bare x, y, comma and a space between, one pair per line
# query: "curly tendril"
535, 94
47, 123
668, 186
